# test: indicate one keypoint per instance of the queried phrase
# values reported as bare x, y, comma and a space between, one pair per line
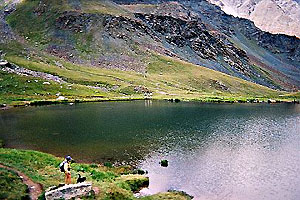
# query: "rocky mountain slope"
277, 54
274, 16
126, 48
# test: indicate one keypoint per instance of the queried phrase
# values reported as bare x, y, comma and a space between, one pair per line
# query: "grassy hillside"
165, 78
113, 183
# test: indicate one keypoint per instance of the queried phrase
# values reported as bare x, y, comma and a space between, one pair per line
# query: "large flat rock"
69, 191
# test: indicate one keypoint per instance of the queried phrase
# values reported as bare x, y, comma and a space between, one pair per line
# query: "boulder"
164, 163
69, 191
61, 98
4, 63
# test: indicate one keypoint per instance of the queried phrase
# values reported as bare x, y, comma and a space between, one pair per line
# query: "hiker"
65, 167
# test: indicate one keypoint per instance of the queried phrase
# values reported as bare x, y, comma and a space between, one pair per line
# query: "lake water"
215, 151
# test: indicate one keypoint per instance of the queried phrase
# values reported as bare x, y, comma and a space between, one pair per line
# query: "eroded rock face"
69, 191
194, 35
280, 16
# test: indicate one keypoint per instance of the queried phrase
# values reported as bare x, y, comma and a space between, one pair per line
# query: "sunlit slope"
193, 78
165, 78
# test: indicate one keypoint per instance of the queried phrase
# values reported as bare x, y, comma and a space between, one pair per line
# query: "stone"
4, 63
164, 163
271, 101
3, 105
176, 100
61, 98
69, 191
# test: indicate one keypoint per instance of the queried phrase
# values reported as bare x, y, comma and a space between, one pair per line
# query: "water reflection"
215, 151
254, 157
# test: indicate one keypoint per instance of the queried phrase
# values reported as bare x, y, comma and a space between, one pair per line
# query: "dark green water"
215, 151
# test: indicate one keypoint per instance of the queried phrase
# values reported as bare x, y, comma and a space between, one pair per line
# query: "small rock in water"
164, 163
174, 100
140, 172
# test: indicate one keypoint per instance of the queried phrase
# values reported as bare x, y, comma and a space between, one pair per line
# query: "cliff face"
274, 16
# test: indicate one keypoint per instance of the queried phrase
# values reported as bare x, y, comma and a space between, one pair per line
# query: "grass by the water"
113, 182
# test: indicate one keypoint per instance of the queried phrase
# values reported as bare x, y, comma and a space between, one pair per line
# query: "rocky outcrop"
11, 68
195, 35
6, 33
283, 45
4, 63
69, 191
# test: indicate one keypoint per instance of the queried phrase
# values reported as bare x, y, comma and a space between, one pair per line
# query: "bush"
108, 164
1, 143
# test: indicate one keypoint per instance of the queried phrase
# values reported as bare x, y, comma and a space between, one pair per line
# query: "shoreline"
112, 181
217, 100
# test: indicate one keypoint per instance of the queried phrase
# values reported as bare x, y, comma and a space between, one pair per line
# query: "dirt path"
35, 189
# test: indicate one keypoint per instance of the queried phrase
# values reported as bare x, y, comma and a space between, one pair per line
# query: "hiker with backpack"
65, 167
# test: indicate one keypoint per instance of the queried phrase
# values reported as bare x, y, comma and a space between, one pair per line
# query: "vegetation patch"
135, 182
12, 186
168, 195
166, 78
44, 169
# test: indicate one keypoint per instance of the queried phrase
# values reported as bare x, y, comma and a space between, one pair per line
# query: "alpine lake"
215, 151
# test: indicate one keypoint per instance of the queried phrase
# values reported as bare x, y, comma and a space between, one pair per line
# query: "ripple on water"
252, 158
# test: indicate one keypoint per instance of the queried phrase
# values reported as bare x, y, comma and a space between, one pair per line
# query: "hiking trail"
35, 189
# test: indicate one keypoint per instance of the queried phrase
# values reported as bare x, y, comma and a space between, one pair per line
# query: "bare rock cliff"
274, 16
